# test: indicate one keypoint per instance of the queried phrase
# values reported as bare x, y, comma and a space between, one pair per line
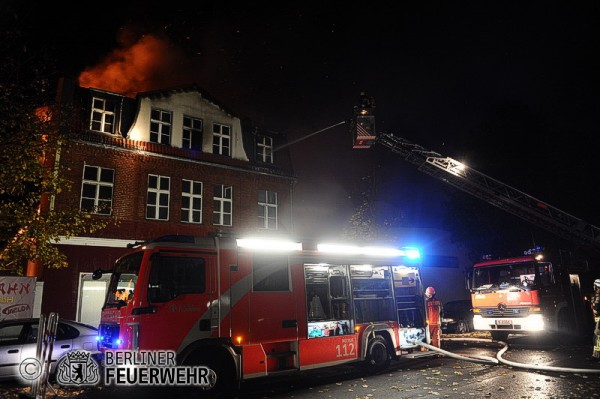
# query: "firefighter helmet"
597, 284
430, 292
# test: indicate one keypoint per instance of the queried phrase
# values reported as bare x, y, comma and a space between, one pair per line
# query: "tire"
222, 374
378, 355
500, 336
462, 327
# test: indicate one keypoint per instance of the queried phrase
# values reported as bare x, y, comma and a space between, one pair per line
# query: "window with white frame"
103, 115
157, 203
97, 190
222, 205
264, 148
191, 201
221, 139
160, 126
192, 133
267, 209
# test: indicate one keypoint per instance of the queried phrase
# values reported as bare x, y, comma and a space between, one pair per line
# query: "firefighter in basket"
596, 311
434, 316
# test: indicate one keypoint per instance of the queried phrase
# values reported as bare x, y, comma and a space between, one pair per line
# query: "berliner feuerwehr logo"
77, 367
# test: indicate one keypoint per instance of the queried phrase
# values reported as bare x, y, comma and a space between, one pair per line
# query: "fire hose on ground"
499, 359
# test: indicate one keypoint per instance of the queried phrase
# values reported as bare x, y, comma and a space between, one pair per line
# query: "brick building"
171, 161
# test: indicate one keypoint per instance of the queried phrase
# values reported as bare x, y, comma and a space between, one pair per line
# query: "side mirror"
97, 274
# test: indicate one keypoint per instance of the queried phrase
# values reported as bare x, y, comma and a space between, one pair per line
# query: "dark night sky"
510, 88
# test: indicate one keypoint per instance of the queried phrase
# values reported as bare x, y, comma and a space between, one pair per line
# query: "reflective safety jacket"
434, 312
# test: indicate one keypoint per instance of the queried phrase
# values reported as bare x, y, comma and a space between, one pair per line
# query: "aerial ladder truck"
513, 295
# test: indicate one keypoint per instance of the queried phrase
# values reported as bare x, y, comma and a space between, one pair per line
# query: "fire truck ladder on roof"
492, 191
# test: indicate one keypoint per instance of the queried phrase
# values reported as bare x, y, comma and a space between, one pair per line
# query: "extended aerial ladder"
453, 172
471, 181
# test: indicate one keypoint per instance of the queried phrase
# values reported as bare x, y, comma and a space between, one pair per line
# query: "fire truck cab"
248, 308
526, 294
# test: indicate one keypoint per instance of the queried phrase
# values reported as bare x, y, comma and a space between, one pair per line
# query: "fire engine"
526, 294
249, 308
540, 294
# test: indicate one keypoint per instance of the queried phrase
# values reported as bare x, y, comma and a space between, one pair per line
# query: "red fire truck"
251, 308
526, 294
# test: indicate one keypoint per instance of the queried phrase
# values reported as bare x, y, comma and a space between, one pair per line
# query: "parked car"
457, 317
18, 341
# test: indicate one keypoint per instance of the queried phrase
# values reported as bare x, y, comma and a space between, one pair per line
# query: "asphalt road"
544, 369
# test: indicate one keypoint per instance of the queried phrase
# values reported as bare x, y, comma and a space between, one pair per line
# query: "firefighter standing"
434, 316
596, 311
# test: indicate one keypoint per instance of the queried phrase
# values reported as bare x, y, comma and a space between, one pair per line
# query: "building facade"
171, 161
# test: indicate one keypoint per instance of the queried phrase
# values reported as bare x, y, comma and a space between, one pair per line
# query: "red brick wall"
130, 190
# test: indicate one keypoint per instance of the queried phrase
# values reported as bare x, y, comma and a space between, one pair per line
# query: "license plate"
503, 322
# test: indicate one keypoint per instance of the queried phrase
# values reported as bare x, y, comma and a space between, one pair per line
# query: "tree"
361, 225
33, 131
370, 222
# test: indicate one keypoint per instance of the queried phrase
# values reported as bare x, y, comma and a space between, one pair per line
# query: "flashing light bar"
282, 245
273, 245
411, 253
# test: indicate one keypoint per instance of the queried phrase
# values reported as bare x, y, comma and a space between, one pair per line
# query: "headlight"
533, 322
445, 320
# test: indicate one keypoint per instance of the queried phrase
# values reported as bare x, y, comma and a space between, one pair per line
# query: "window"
123, 280
173, 275
103, 115
11, 334
270, 273
373, 299
267, 209
97, 190
264, 148
192, 133
191, 201
63, 332
157, 204
221, 139
222, 205
160, 127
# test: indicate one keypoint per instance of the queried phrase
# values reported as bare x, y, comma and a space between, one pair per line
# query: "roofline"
188, 88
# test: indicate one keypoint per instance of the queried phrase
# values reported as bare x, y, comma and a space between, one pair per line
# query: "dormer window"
103, 115
192, 133
264, 148
160, 126
221, 139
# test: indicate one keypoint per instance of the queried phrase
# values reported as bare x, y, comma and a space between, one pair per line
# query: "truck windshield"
510, 276
123, 279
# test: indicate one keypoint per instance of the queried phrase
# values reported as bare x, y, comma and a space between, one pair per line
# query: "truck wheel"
462, 327
499, 336
378, 355
222, 375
